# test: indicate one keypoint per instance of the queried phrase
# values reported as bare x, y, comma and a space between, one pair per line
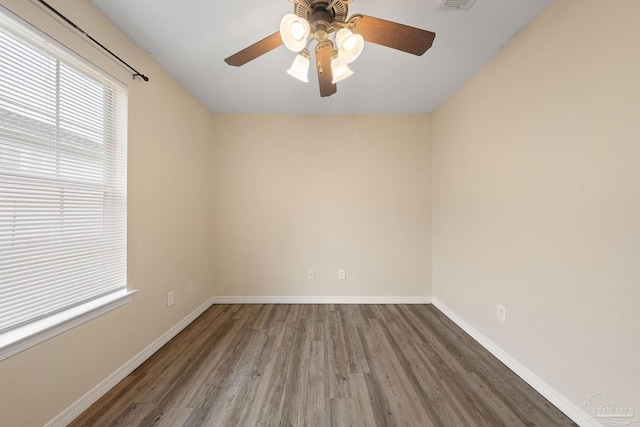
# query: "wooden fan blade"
325, 75
397, 36
255, 50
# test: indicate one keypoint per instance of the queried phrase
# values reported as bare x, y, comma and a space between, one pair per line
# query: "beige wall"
323, 192
536, 193
535, 189
169, 223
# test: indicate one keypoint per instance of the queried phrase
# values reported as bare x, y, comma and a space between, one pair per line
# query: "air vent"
456, 4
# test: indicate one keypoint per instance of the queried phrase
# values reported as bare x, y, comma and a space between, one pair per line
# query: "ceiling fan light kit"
339, 41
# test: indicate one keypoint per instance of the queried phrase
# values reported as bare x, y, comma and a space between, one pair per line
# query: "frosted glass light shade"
294, 31
349, 45
339, 69
300, 67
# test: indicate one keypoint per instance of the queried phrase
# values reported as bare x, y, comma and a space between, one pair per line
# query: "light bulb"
349, 45
297, 30
294, 32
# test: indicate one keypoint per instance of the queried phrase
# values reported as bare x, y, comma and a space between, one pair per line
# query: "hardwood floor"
322, 365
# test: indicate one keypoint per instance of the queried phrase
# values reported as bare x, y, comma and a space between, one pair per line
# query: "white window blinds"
63, 159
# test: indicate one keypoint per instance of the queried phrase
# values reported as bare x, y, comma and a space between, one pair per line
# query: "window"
63, 160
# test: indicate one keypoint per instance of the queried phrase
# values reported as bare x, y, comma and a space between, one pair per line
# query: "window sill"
20, 339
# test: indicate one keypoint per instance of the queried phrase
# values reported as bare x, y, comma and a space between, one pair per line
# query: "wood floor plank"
264, 316
255, 395
236, 374
422, 378
503, 382
226, 370
404, 402
362, 408
322, 365
317, 411
188, 373
111, 404
317, 315
134, 414
446, 361
337, 357
176, 418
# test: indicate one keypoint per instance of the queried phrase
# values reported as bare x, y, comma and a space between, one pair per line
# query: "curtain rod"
84, 33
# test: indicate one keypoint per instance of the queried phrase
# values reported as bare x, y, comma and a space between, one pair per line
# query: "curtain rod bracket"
142, 76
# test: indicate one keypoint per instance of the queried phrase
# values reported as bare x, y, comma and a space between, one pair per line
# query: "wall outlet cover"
501, 313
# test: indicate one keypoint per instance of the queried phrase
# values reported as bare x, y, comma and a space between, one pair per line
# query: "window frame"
39, 329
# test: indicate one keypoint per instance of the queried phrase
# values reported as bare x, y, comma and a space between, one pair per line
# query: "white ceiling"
191, 39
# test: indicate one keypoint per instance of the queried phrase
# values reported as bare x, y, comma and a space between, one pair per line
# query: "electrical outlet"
190, 286
342, 274
501, 313
311, 274
170, 299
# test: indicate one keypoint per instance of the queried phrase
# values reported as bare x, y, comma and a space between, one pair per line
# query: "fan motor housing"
319, 10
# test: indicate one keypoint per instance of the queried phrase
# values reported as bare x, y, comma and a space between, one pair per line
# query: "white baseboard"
558, 400
73, 411
322, 300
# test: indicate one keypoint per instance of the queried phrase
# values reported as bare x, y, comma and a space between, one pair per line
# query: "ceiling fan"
339, 40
